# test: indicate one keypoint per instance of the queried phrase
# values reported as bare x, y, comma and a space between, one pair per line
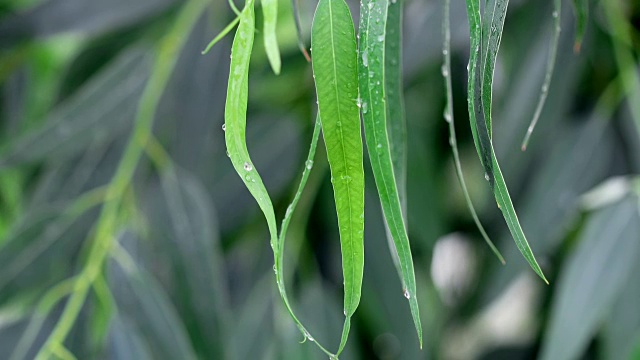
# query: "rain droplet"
365, 59
444, 70
248, 167
359, 102
228, 155
224, 127
379, 146
445, 52
309, 164
486, 176
407, 294
555, 14
381, 38
364, 107
447, 116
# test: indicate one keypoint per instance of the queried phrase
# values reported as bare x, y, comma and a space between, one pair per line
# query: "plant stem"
163, 67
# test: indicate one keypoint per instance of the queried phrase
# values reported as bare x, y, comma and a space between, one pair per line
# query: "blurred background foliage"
189, 274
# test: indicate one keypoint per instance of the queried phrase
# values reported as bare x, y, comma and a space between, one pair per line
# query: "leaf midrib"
344, 156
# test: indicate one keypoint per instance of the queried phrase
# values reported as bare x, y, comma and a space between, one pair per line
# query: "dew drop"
224, 127
228, 155
407, 294
445, 52
486, 176
379, 146
364, 107
381, 38
309, 164
247, 166
365, 59
555, 14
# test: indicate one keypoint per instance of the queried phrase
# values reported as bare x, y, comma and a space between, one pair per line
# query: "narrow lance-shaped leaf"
551, 62
235, 138
448, 116
495, 12
581, 10
335, 60
270, 12
479, 94
396, 120
371, 73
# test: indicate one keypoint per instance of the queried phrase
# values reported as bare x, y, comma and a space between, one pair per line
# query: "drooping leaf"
270, 12
396, 119
335, 60
479, 102
235, 138
448, 116
594, 276
372, 75
551, 62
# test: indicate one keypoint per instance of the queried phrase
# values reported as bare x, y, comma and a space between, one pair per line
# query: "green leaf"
335, 59
125, 342
235, 138
141, 300
479, 102
495, 13
396, 121
198, 265
448, 116
581, 10
372, 76
594, 276
551, 62
270, 12
88, 117
622, 327
394, 91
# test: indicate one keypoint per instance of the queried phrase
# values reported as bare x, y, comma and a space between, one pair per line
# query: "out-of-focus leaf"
551, 62
97, 113
581, 10
270, 11
203, 296
140, 300
622, 327
86, 17
594, 277
125, 343
30, 256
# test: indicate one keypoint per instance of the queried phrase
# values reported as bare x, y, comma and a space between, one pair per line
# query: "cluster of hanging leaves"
360, 77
